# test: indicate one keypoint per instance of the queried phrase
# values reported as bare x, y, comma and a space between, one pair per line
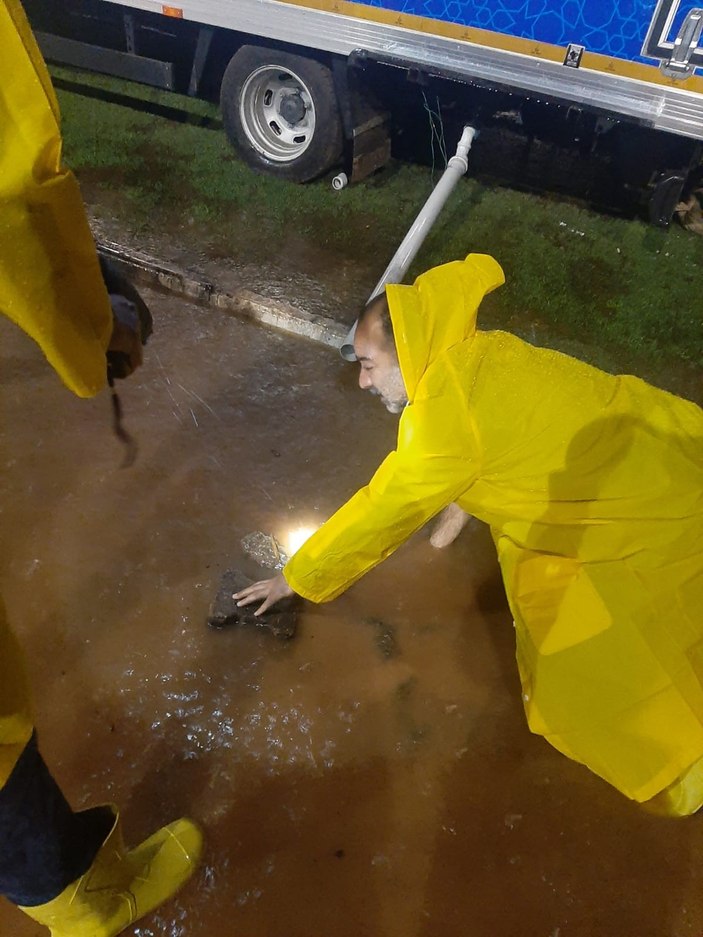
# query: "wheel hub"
292, 108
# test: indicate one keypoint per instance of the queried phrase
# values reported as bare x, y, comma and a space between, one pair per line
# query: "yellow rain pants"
50, 281
593, 488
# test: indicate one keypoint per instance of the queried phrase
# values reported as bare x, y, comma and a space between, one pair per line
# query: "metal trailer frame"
660, 103
665, 96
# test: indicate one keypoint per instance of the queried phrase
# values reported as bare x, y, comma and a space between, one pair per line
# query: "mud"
344, 791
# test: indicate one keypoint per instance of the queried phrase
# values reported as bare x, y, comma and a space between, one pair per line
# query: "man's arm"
407, 490
398, 500
449, 525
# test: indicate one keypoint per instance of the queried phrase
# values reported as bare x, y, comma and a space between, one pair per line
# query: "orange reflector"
176, 12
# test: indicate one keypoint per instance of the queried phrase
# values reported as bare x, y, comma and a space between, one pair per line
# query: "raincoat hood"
438, 311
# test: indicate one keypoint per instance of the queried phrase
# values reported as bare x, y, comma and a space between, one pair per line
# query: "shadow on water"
135, 103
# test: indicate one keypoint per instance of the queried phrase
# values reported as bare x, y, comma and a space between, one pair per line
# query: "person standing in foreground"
592, 486
69, 871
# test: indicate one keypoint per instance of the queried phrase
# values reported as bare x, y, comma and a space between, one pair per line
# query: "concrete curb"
273, 312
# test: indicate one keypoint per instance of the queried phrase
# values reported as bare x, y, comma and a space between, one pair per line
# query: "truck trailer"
308, 85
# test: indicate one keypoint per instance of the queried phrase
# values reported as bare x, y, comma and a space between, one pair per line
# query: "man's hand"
270, 590
449, 525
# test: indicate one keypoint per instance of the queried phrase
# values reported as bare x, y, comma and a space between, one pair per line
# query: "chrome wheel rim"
277, 113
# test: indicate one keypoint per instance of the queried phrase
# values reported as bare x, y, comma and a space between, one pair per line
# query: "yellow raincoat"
50, 281
592, 486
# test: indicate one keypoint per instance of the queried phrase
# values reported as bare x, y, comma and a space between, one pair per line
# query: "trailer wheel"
280, 112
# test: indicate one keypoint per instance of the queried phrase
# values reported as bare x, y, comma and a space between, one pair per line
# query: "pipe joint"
459, 163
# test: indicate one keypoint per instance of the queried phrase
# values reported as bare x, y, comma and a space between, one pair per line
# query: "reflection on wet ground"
374, 776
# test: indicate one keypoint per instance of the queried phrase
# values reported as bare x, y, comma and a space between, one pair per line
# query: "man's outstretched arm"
449, 525
402, 496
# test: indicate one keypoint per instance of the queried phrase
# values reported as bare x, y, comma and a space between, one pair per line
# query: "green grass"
615, 291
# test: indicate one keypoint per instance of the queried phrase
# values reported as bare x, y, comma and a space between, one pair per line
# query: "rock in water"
281, 620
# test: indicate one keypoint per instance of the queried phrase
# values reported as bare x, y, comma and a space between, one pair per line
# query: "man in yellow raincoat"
69, 871
592, 486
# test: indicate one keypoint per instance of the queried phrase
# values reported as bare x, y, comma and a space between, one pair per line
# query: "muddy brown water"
372, 778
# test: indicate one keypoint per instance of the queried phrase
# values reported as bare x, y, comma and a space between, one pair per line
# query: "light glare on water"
296, 537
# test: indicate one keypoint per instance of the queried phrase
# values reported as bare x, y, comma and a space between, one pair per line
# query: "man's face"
380, 371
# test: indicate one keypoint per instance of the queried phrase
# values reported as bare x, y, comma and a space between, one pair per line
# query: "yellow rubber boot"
122, 886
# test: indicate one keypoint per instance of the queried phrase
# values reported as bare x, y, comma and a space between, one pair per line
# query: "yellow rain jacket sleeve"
592, 485
50, 281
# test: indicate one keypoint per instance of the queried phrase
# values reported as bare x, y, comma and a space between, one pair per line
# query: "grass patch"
575, 278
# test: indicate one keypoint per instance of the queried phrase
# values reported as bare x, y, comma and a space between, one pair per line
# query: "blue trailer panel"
617, 30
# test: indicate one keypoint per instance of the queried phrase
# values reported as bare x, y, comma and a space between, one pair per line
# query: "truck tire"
280, 113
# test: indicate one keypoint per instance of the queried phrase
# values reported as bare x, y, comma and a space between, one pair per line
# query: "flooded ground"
372, 778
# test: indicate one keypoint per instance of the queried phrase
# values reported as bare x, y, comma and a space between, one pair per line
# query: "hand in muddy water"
270, 590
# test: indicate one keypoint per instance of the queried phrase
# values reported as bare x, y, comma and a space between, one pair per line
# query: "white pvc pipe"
406, 253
